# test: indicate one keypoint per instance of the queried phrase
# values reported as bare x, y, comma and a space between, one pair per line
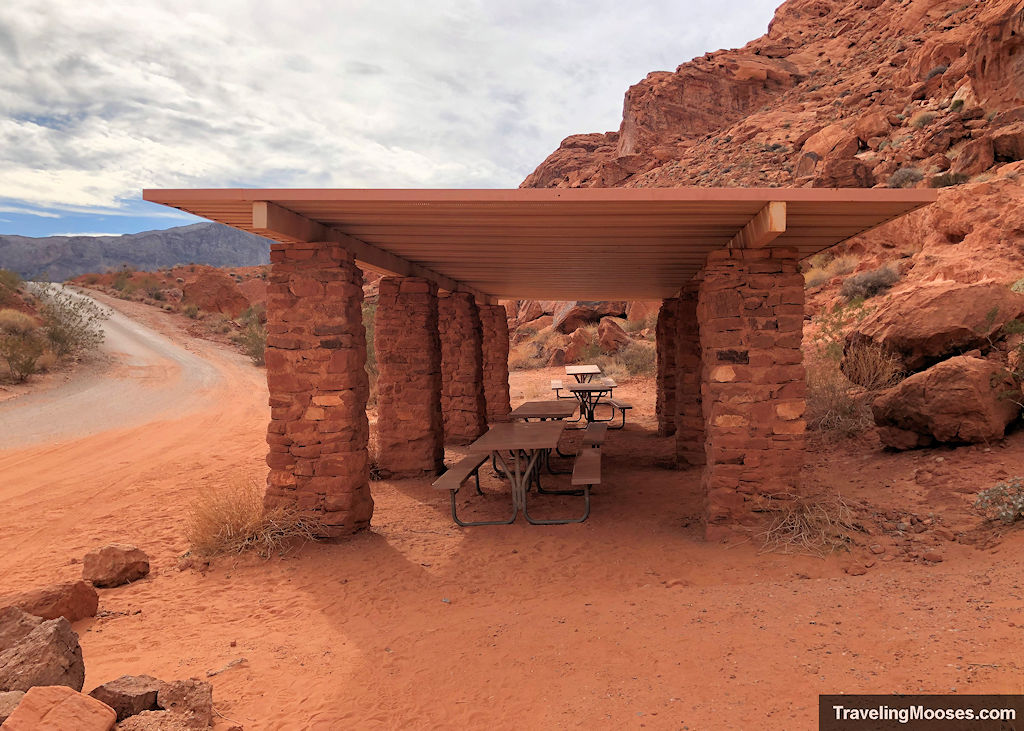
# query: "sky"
102, 99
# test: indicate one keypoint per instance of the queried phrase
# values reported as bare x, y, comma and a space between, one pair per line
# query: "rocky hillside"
56, 258
845, 93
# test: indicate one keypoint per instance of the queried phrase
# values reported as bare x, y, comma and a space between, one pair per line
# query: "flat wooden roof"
552, 243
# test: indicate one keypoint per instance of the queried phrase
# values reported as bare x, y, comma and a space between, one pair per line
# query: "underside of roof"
559, 244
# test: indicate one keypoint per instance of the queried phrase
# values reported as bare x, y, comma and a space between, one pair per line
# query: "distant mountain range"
56, 258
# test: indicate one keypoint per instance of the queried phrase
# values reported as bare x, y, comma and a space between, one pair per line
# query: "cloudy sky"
101, 99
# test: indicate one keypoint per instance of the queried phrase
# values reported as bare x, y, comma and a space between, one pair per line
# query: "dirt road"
148, 377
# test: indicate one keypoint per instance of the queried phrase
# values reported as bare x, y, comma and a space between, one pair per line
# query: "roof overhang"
552, 243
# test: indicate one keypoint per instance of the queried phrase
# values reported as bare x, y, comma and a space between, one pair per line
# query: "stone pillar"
665, 380
410, 430
689, 366
316, 373
493, 319
750, 310
462, 385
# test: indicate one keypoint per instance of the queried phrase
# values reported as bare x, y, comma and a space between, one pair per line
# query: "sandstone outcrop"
215, 291
9, 700
73, 600
191, 700
611, 336
58, 708
570, 316
961, 400
34, 651
114, 565
936, 320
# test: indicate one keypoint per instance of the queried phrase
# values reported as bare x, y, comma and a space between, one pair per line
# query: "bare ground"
630, 620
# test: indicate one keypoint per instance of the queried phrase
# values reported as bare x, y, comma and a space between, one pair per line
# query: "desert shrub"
191, 310
122, 281
956, 105
936, 71
72, 323
526, 356
647, 323
21, 345
869, 284
923, 119
231, 519
9, 283
1004, 501
819, 269
1018, 286
947, 180
814, 525
91, 279
834, 404
253, 336
872, 367
636, 359
905, 177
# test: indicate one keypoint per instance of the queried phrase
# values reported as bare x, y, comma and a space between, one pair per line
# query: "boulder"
115, 565
38, 652
570, 316
871, 124
961, 400
557, 358
579, 342
129, 694
640, 310
58, 708
611, 336
1008, 142
938, 319
190, 699
9, 700
529, 310
975, 157
73, 600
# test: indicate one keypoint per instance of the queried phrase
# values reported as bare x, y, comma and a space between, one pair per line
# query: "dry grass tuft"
814, 525
872, 367
231, 519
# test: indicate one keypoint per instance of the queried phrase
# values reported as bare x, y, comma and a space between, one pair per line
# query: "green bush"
21, 345
1004, 501
869, 284
72, 323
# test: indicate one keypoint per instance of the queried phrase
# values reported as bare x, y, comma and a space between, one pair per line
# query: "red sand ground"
630, 620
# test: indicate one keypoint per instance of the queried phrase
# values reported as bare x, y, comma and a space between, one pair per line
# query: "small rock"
129, 694
945, 533
191, 699
9, 700
73, 600
932, 557
855, 569
877, 548
38, 652
115, 565
58, 708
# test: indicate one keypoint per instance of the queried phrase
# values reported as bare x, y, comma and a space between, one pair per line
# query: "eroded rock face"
611, 336
38, 652
214, 291
570, 316
58, 708
129, 694
114, 565
9, 700
961, 400
72, 600
939, 319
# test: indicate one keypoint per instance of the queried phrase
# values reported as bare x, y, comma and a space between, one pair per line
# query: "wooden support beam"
277, 222
763, 228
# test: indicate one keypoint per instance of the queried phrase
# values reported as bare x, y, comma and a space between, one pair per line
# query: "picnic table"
589, 395
519, 446
583, 373
544, 410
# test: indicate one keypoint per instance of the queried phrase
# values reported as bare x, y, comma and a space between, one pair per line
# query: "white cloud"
102, 98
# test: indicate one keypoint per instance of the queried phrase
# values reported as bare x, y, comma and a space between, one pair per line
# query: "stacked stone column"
316, 373
493, 319
750, 310
689, 366
665, 380
410, 429
462, 387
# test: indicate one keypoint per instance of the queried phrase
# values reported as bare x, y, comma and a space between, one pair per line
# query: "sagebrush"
869, 284
1003, 502
21, 344
73, 324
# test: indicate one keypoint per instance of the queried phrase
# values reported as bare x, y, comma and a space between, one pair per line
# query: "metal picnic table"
589, 395
583, 373
519, 447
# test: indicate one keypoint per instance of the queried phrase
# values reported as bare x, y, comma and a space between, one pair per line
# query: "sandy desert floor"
629, 620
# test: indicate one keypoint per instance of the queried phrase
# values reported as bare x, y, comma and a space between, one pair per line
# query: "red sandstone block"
280, 460
796, 426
